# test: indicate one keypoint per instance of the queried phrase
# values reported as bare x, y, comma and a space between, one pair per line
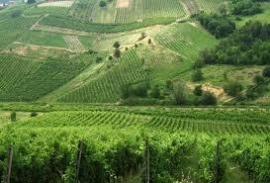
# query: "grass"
218, 75
44, 39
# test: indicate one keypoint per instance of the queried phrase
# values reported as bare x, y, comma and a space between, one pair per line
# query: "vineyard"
35, 11
103, 92
185, 39
103, 28
113, 143
13, 69
17, 26
106, 86
50, 75
211, 122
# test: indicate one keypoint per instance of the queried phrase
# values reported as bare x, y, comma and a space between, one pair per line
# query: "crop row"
191, 123
160, 8
12, 29
83, 9
53, 10
106, 87
46, 78
185, 39
13, 69
74, 24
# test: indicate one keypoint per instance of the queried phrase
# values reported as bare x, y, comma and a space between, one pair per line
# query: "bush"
266, 72
233, 88
16, 13
13, 116
98, 60
197, 75
179, 92
208, 99
155, 92
198, 90
102, 4
33, 114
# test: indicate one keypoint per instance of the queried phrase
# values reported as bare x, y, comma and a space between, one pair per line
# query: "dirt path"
35, 24
187, 12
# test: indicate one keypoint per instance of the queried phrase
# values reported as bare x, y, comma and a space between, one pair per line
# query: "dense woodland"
247, 46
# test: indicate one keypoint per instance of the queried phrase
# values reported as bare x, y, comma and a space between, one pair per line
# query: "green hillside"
133, 91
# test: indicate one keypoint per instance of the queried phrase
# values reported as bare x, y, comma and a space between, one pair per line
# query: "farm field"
104, 132
132, 91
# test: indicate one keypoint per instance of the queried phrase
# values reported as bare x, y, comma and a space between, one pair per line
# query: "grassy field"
43, 38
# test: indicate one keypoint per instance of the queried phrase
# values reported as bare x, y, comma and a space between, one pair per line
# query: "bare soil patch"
122, 3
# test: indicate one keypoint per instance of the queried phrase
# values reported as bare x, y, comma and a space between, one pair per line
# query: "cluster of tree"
246, 46
117, 52
217, 25
256, 89
245, 7
200, 97
140, 90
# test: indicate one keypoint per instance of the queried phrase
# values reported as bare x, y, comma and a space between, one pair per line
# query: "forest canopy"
247, 46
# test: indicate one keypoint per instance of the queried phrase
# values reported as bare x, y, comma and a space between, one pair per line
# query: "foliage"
117, 53
197, 75
219, 26
13, 115
246, 46
16, 13
155, 93
116, 45
246, 7
198, 90
233, 88
102, 4
266, 72
31, 1
208, 99
179, 93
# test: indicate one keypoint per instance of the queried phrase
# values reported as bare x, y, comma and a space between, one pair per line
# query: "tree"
266, 72
197, 75
13, 116
198, 90
149, 41
117, 53
116, 45
179, 92
155, 92
208, 99
31, 1
258, 79
102, 4
233, 88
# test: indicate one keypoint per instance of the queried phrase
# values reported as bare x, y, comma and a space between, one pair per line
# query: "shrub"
197, 75
208, 99
198, 90
233, 88
13, 116
266, 72
102, 4
33, 114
